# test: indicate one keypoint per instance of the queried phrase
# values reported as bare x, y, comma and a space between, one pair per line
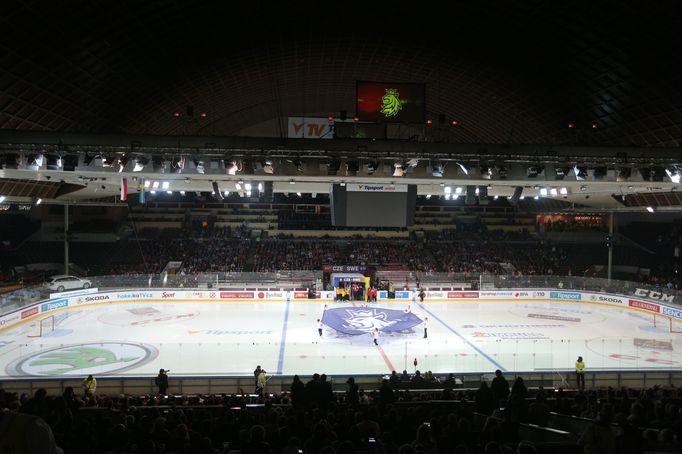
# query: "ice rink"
212, 338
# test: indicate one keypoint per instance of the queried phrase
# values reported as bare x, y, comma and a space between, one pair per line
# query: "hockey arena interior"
318, 239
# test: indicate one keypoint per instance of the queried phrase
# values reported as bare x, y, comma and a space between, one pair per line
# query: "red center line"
388, 362
383, 354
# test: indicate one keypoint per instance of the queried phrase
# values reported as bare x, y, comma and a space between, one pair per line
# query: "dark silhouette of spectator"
386, 393
418, 380
312, 391
352, 396
326, 392
297, 392
394, 378
485, 402
162, 381
499, 387
405, 377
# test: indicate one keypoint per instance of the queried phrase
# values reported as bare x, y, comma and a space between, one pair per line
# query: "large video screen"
373, 205
388, 102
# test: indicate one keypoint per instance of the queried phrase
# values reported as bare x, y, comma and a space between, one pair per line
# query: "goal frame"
667, 322
44, 326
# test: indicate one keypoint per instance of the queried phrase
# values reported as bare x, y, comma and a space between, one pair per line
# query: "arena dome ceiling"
509, 72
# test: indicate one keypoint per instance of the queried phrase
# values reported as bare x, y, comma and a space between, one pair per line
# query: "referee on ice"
319, 327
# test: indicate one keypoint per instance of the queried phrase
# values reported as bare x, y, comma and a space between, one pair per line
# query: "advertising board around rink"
163, 296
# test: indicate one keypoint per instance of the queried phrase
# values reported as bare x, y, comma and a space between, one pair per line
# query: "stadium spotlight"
140, 162
437, 169
561, 172
199, 165
232, 167
177, 164
35, 161
563, 191
267, 167
624, 174
108, 161
533, 171
182, 192
486, 172
543, 192
2, 198
298, 194
464, 168
165, 185
580, 172
247, 186
238, 186
53, 162
650, 209
39, 201
447, 190
260, 187
553, 192
428, 196
155, 185
123, 162
674, 174
372, 167
458, 190
398, 169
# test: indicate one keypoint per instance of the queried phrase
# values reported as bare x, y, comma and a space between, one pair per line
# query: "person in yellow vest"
580, 373
90, 385
262, 381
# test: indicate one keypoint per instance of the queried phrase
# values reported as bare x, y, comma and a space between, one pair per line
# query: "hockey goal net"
42, 327
672, 325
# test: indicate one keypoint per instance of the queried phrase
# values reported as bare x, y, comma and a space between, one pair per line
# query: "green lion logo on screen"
391, 103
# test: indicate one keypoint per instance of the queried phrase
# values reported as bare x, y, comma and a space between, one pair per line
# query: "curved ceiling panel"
509, 72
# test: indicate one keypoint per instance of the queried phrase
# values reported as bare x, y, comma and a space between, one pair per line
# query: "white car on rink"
62, 282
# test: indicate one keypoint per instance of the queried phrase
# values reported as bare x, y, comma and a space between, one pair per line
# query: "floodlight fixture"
437, 169
464, 168
580, 172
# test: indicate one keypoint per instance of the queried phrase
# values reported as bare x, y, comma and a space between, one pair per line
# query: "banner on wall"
310, 128
462, 294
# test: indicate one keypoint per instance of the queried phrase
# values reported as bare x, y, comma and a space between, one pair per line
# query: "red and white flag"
124, 189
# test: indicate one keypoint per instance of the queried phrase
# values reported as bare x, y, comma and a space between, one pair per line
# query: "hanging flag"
141, 189
124, 189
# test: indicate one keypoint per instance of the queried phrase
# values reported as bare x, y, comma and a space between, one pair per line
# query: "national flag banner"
124, 189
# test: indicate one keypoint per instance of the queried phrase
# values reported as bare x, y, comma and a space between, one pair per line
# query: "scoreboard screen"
390, 102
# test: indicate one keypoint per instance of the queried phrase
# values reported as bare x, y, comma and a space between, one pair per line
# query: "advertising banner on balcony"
310, 128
